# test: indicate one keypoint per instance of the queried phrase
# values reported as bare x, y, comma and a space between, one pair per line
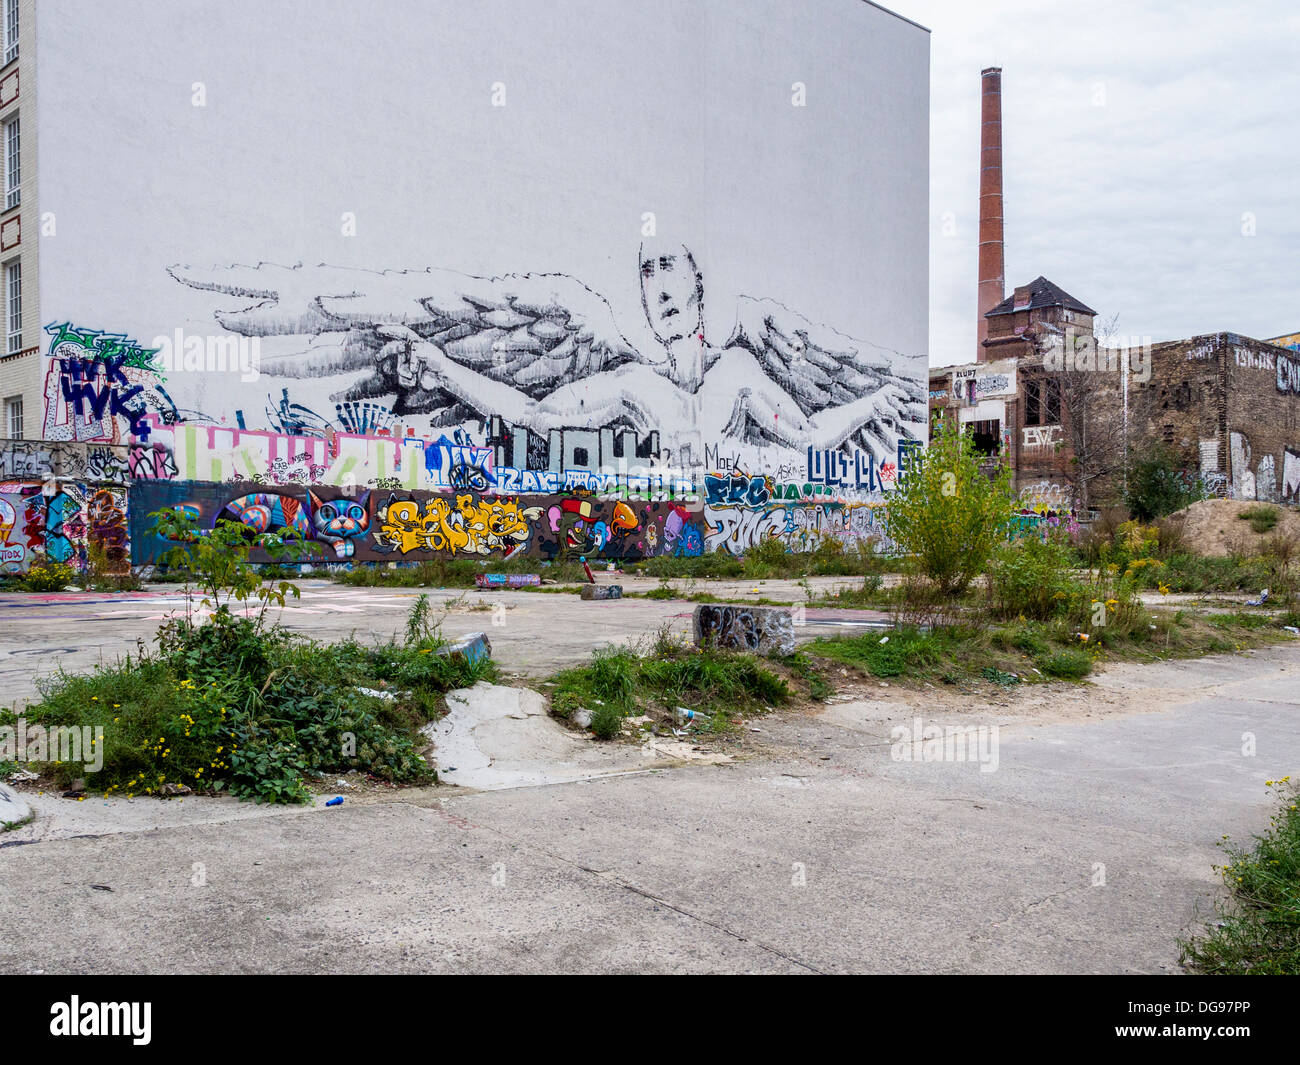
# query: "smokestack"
991, 285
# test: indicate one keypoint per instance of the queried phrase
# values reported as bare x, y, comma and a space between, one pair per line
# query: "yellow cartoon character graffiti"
466, 526
496, 524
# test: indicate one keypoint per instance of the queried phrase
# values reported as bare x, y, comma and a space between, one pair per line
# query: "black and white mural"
539, 352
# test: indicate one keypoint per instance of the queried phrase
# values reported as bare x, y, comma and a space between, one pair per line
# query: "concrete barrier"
767, 630
602, 591
473, 648
507, 580
13, 810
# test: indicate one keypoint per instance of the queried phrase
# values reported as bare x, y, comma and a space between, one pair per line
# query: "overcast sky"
1136, 136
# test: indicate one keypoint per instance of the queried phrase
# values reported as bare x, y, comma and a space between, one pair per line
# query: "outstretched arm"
829, 428
595, 400
422, 364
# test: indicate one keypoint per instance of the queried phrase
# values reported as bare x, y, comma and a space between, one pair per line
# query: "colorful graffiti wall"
396, 525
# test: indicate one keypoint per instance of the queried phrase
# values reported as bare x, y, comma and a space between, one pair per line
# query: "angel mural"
543, 351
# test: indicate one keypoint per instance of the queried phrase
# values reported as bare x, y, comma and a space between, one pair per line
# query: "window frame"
14, 406
13, 153
13, 273
12, 29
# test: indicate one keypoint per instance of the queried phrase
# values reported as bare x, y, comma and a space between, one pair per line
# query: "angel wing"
821, 368
534, 332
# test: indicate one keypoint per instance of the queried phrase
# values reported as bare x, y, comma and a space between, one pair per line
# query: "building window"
14, 417
14, 308
13, 165
987, 436
11, 30
1042, 401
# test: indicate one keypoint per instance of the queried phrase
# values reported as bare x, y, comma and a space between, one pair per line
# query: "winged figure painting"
543, 351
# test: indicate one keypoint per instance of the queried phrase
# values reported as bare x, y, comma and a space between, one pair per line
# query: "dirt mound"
1214, 527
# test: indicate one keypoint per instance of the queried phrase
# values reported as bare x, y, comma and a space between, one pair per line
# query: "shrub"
1030, 578
667, 674
1067, 664
1258, 930
47, 576
1262, 518
1158, 485
947, 513
227, 705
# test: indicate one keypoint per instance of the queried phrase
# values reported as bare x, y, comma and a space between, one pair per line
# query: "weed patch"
1258, 926
622, 682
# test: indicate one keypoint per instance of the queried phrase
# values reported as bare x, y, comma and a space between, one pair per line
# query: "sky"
1143, 143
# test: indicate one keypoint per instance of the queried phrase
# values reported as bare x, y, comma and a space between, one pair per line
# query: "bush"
1158, 485
657, 679
947, 513
1067, 664
47, 576
1030, 578
228, 705
1262, 518
1258, 930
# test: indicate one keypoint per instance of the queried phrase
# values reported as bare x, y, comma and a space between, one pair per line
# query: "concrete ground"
536, 634
1089, 849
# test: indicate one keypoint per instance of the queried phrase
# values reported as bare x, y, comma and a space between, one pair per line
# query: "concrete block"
765, 630
13, 810
602, 591
507, 580
473, 648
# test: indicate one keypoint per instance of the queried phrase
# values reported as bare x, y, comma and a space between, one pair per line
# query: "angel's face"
672, 293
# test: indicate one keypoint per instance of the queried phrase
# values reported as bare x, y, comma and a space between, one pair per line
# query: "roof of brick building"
1042, 293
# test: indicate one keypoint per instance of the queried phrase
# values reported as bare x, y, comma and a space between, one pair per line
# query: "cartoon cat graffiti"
340, 521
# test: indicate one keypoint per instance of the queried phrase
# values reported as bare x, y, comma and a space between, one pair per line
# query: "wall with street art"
398, 525
64, 502
467, 268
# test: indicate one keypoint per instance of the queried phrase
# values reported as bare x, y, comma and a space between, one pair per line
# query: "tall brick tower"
991, 281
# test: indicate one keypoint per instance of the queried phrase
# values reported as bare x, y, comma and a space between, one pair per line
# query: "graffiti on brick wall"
74, 523
1041, 436
1288, 375
14, 545
464, 525
1290, 476
384, 461
799, 526
106, 531
1044, 496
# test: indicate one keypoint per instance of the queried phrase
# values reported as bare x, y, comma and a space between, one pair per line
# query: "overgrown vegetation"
947, 513
47, 576
1258, 927
229, 702
1087, 627
667, 673
1262, 518
1159, 485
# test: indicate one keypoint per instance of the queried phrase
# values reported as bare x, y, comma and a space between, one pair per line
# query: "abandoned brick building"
1065, 414
1227, 405
1008, 400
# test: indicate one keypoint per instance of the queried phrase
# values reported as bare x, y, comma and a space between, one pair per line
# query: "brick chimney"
991, 283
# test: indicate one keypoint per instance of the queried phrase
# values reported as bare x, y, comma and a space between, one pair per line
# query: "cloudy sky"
1140, 140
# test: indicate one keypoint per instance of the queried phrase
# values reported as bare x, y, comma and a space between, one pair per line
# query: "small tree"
946, 512
218, 560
